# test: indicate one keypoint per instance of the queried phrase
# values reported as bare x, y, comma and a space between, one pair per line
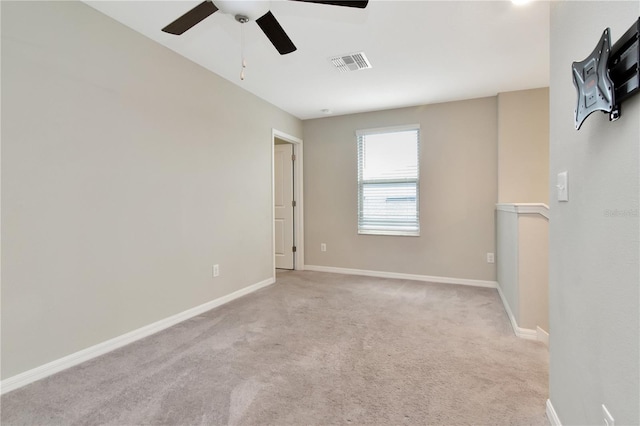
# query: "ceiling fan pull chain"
244, 62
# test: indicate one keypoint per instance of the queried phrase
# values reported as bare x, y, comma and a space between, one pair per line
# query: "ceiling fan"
245, 11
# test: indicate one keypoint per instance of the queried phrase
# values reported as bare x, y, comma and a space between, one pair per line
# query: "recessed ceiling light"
520, 2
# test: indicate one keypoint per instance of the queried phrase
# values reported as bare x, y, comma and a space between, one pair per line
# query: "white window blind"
388, 181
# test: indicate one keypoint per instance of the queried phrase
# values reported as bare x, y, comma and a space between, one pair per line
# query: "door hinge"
293, 204
293, 157
294, 249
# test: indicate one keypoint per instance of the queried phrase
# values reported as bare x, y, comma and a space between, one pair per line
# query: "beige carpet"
312, 349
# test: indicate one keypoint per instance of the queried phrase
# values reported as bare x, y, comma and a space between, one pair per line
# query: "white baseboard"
552, 415
543, 336
526, 333
76, 358
523, 333
402, 276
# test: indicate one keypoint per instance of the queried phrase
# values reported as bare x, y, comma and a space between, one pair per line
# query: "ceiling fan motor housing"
251, 9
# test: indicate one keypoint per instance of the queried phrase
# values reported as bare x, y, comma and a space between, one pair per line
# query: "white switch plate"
323, 247
491, 258
216, 270
563, 186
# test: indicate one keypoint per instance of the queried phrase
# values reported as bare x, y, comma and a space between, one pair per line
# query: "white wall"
507, 259
127, 172
594, 258
458, 192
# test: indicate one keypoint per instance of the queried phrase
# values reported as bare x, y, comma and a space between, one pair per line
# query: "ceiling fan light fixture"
252, 9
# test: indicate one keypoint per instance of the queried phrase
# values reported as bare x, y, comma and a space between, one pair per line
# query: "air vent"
351, 62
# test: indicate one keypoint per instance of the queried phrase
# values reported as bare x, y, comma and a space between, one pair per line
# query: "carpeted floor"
312, 349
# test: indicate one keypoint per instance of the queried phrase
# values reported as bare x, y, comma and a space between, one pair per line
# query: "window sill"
390, 233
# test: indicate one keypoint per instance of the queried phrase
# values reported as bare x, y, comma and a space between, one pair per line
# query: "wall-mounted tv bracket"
608, 76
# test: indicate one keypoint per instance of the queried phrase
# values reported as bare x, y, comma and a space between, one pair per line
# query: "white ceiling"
422, 52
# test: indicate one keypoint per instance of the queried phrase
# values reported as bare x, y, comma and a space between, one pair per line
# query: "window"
388, 181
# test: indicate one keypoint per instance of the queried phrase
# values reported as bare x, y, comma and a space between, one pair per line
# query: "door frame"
298, 213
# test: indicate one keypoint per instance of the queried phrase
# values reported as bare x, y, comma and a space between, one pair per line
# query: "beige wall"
594, 244
523, 177
533, 271
522, 265
127, 172
523, 146
458, 192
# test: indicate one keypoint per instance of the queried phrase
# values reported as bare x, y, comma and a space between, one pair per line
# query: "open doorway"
288, 237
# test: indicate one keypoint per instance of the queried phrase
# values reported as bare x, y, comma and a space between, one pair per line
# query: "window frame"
361, 182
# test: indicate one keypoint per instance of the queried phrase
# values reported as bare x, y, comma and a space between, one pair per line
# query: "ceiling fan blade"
274, 32
361, 4
191, 18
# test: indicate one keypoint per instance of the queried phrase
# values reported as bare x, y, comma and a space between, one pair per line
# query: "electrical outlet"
323, 247
608, 418
491, 258
216, 270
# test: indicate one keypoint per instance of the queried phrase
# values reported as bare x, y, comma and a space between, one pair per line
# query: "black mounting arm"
623, 68
608, 76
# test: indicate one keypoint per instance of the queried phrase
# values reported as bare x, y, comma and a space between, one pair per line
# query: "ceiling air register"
351, 62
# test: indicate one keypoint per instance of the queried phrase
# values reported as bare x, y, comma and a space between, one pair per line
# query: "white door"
283, 175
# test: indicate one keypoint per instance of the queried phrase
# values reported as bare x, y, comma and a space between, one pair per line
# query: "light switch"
563, 186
